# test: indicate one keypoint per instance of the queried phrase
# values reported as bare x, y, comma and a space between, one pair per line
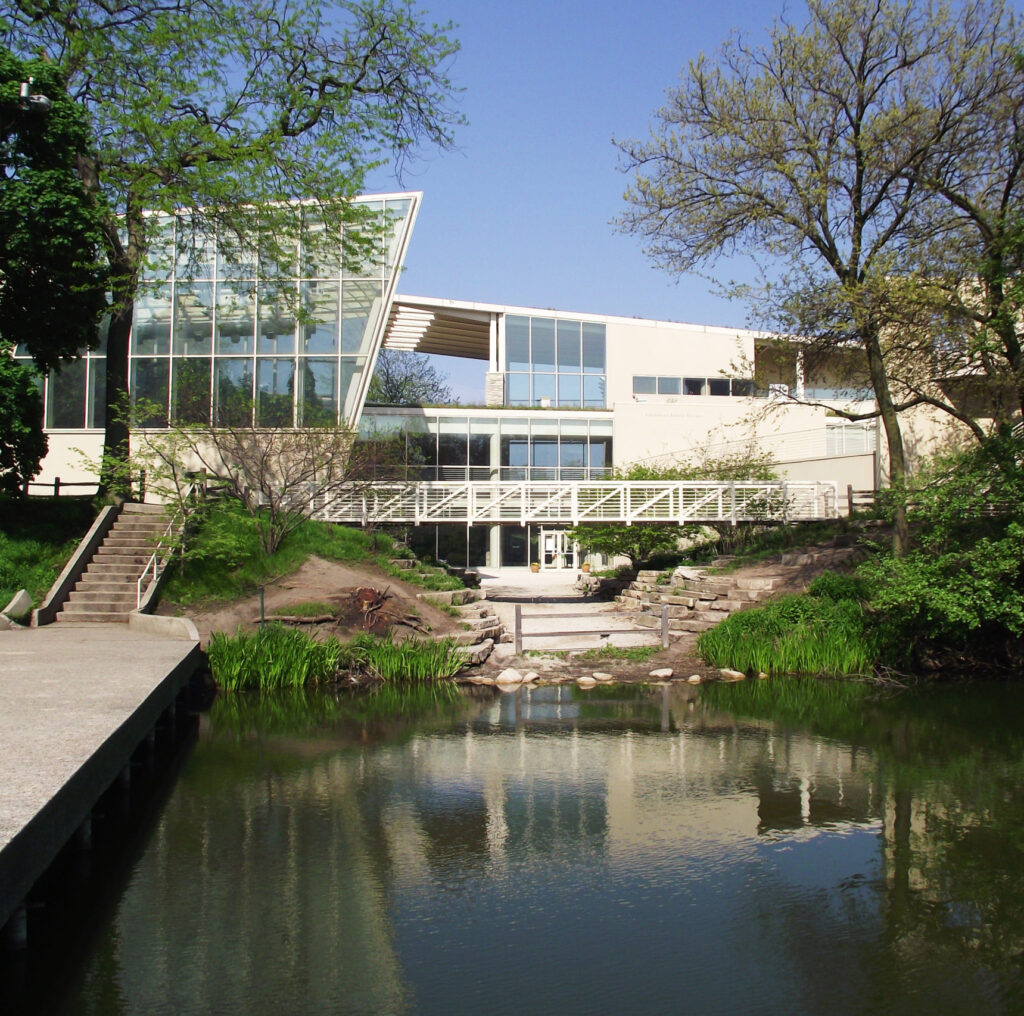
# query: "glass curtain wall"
221, 336
554, 362
458, 448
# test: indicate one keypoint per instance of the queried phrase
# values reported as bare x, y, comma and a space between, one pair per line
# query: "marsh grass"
276, 657
279, 657
799, 634
309, 608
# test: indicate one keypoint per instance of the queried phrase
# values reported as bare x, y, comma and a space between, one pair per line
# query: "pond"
769, 847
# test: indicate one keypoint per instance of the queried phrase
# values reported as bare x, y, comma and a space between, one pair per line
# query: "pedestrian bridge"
682, 502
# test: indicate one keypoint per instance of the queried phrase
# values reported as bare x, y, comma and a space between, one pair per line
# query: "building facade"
218, 338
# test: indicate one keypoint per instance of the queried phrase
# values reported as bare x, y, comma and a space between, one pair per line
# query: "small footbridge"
679, 502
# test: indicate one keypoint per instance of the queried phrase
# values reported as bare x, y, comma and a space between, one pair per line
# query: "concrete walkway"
546, 593
75, 701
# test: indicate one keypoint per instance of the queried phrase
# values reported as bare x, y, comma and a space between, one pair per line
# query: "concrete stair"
107, 590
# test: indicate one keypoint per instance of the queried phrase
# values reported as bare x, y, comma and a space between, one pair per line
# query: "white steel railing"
161, 554
574, 502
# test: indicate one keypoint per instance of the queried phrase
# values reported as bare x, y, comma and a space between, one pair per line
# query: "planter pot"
535, 567
586, 566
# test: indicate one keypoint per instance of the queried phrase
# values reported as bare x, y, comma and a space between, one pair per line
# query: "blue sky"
520, 213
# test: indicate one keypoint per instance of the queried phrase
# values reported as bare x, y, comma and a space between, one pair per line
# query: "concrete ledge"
166, 627
73, 569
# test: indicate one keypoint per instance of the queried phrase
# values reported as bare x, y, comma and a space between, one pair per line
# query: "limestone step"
111, 569
66, 614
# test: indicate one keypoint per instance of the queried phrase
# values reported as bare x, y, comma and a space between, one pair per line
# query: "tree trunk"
116, 436
894, 440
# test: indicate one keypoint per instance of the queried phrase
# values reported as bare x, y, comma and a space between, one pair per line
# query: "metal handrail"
154, 560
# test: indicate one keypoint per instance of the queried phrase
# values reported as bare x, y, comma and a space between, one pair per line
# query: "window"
645, 385
668, 385
554, 362
718, 386
693, 385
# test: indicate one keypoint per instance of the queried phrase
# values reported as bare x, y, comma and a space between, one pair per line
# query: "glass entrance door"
557, 550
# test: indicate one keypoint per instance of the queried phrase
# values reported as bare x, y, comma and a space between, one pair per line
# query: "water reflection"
761, 848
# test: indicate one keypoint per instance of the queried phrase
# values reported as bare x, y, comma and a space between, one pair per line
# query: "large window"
554, 362
223, 335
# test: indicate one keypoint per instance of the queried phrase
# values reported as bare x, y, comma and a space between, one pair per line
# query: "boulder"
695, 679
600, 675
509, 676
530, 676
661, 674
762, 675
476, 654
732, 675
586, 681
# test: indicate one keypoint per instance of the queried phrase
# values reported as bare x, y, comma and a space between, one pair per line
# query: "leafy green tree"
229, 113
22, 441
406, 379
54, 280
807, 150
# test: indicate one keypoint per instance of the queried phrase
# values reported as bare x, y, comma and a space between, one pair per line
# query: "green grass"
37, 536
224, 561
635, 654
310, 608
800, 634
278, 657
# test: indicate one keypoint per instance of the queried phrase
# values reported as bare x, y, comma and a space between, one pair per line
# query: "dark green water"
761, 848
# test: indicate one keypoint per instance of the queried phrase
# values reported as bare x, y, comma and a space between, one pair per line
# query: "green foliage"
22, 441
276, 657
36, 540
963, 588
838, 586
637, 542
51, 261
280, 657
793, 635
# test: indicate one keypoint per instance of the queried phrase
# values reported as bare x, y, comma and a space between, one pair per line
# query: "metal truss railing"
572, 503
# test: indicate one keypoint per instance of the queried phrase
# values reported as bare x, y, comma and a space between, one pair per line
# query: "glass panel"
572, 454
151, 325
645, 385
196, 252
65, 403
160, 250
236, 259
319, 392
718, 386
517, 343
593, 348
277, 328
190, 390
477, 545
149, 383
320, 305
594, 392
543, 349
693, 386
515, 456
397, 212
517, 389
600, 455
371, 266
360, 310
543, 388
452, 447
275, 385
569, 346
97, 392
193, 318
569, 390
513, 546
233, 394
742, 387
668, 385
321, 251
235, 318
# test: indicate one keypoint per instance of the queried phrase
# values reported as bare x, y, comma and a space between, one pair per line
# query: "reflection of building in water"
280, 859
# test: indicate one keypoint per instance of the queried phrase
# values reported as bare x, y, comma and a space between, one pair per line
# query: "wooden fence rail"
520, 634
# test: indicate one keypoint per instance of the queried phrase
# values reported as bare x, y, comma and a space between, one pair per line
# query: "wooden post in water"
519, 629
849, 499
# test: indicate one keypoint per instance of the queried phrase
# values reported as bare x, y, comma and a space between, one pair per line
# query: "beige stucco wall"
676, 350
